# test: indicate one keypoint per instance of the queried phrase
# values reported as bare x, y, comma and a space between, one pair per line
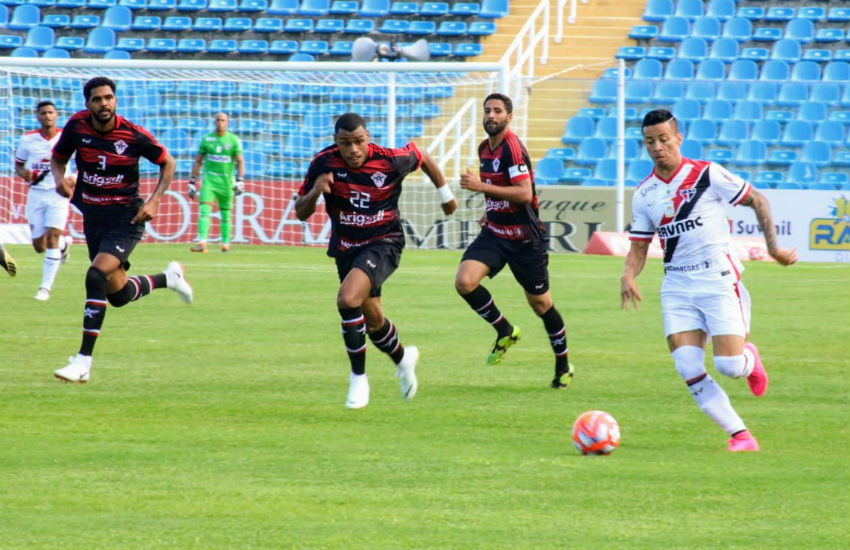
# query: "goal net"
284, 114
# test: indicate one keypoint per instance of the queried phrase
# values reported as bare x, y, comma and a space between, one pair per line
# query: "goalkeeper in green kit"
220, 152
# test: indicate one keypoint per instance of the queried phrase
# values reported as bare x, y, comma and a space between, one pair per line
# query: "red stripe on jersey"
697, 168
94, 156
515, 147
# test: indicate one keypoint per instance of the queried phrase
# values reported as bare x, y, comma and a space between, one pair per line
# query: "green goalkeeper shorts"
218, 189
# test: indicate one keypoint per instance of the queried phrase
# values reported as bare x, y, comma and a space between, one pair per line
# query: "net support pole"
621, 142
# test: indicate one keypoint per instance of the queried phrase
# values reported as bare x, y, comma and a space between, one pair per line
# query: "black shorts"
528, 260
378, 260
114, 235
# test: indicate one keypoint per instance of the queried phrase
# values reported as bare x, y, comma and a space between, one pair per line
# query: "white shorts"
714, 301
46, 208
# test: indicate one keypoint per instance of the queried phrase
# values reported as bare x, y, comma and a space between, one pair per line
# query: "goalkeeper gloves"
193, 188
237, 188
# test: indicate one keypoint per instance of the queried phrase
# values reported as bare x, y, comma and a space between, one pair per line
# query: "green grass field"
221, 424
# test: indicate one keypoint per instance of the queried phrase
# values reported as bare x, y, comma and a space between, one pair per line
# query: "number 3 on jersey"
102, 162
359, 199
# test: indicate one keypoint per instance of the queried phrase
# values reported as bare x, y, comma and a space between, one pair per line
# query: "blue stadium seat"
717, 109
207, 24
732, 132
841, 158
806, 71
394, 26
268, 24
162, 5
343, 7
117, 18
85, 21
451, 28
775, 70
434, 9
573, 176
129, 44
56, 53
222, 5
648, 68
782, 157
702, 131
40, 38
314, 7
668, 92
23, 51
643, 32
191, 45
420, 28
829, 35
765, 91
562, 153
815, 13
838, 180
817, 54
252, 6
751, 153
117, 54
100, 41
162, 45
661, 53
548, 171
298, 25
707, 28
766, 131
731, 90
658, 10
374, 8
604, 91
100, 4
404, 8
748, 111
791, 94
191, 5
578, 128
787, 49
827, 93
687, 109
837, 71
24, 17
605, 170
755, 54
724, 49
482, 28
638, 90
70, 4
691, 149
738, 28
802, 30
53, 20
768, 179
341, 48
801, 173
251, 47
721, 9
220, 45
590, 151
493, 9
606, 128
720, 155
831, 132
613, 73
147, 23
314, 47
689, 9
679, 68
796, 133
812, 111
282, 7
711, 69
70, 43
693, 49
674, 29
359, 26
753, 13
177, 23
439, 49
465, 9
467, 49
780, 13
329, 25
638, 170
767, 34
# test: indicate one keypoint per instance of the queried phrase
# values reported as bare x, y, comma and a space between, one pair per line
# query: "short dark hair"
659, 116
97, 82
509, 105
44, 103
349, 122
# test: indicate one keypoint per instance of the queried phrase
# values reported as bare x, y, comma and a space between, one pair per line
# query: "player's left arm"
149, 209
432, 170
761, 206
518, 192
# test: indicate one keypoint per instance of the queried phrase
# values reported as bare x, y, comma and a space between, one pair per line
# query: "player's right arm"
305, 204
633, 265
21, 170
64, 185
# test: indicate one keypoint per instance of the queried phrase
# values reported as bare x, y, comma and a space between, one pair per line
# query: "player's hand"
629, 293
146, 212
449, 207
65, 186
193, 189
470, 181
237, 188
324, 182
784, 256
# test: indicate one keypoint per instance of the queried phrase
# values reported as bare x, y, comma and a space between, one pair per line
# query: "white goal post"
284, 113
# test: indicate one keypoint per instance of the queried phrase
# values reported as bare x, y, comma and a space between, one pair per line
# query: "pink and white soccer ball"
596, 433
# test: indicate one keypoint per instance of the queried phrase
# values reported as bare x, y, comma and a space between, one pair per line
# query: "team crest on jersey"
121, 146
496, 164
687, 194
379, 178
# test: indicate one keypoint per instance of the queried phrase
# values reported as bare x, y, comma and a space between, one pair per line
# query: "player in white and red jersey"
684, 202
511, 235
47, 210
361, 183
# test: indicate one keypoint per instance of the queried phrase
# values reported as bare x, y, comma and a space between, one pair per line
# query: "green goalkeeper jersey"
220, 154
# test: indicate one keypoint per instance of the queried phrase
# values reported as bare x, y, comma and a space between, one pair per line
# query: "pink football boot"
743, 441
758, 379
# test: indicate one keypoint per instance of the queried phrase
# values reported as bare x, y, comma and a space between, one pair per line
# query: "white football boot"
66, 252
42, 295
77, 371
406, 372
358, 391
175, 280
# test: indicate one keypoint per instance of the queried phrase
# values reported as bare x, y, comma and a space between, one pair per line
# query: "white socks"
735, 366
710, 397
52, 260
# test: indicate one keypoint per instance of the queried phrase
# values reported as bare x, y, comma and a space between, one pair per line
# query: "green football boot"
502, 345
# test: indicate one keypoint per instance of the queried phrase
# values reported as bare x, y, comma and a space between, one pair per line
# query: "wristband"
445, 193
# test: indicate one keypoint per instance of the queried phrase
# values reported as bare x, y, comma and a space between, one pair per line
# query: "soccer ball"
596, 433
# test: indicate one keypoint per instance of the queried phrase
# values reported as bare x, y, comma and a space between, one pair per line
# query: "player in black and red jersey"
361, 184
106, 192
511, 234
